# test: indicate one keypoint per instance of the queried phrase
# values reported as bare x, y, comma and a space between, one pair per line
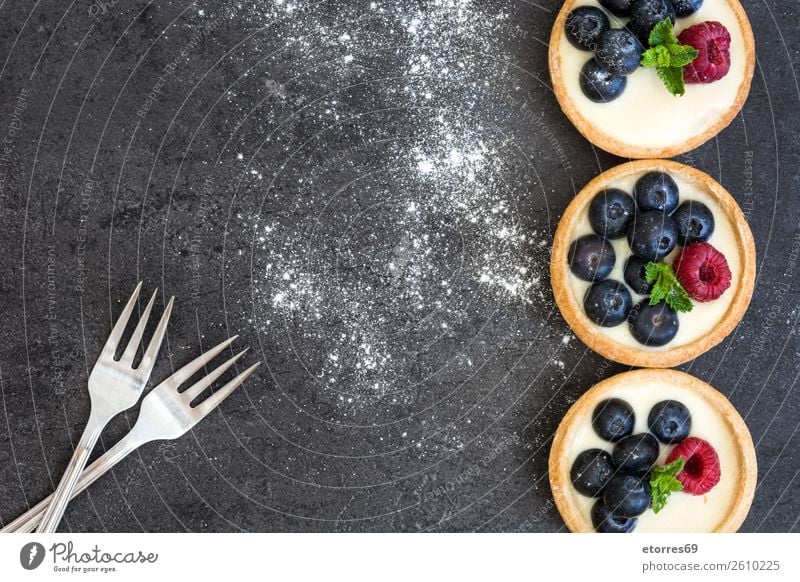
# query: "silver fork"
114, 386
165, 414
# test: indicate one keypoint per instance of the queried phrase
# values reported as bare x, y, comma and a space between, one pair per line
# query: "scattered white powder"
378, 284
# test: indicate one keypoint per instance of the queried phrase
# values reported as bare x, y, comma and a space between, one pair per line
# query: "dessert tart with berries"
651, 78
653, 451
653, 264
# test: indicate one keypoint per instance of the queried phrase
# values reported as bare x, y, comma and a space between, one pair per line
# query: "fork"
114, 386
165, 414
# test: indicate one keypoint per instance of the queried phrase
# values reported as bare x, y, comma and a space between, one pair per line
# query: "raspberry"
713, 41
703, 271
701, 471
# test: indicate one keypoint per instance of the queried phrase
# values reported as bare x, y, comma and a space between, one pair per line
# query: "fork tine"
116, 334
136, 337
192, 367
217, 397
149, 358
197, 388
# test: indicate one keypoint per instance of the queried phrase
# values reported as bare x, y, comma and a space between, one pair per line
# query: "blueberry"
585, 25
636, 277
627, 496
610, 211
620, 51
618, 7
657, 191
599, 84
608, 303
606, 522
695, 222
645, 14
670, 421
613, 419
684, 8
591, 471
591, 258
652, 235
653, 325
636, 454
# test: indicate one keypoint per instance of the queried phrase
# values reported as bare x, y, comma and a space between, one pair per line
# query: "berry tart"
653, 264
653, 451
651, 78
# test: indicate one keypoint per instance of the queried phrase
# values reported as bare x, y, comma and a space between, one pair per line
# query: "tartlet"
647, 121
712, 321
723, 509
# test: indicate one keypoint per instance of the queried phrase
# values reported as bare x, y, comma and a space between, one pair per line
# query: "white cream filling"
704, 316
683, 512
646, 114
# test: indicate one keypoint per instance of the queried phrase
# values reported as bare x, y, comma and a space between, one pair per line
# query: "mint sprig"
666, 287
663, 483
668, 56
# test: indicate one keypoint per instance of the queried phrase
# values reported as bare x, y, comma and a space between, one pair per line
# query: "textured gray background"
457, 438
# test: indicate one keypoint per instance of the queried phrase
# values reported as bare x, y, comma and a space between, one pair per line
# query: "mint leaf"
658, 56
666, 287
663, 33
663, 483
668, 56
672, 77
682, 54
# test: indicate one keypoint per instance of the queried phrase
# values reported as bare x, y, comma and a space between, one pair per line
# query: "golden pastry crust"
615, 146
590, 333
559, 466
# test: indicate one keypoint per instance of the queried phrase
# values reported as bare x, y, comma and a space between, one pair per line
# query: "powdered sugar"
377, 283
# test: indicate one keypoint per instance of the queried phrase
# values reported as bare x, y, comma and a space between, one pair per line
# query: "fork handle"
63, 493
27, 522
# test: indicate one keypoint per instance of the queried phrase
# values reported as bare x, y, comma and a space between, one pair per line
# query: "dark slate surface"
399, 391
